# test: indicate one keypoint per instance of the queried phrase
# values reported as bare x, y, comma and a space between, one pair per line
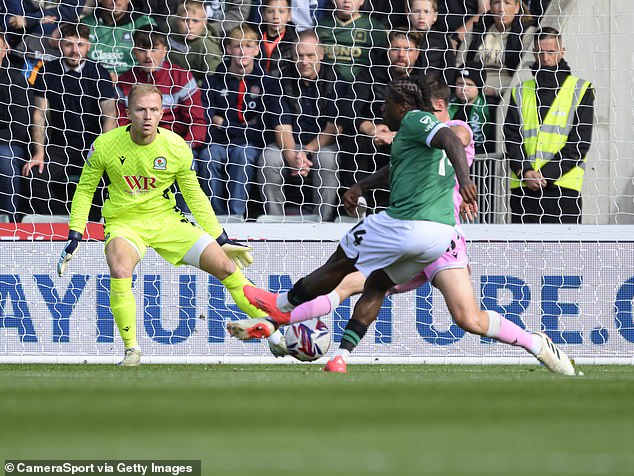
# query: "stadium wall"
577, 282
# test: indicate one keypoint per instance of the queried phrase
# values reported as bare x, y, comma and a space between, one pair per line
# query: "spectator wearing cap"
469, 103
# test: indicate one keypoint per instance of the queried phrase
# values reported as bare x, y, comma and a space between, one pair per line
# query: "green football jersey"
353, 45
141, 177
111, 45
422, 179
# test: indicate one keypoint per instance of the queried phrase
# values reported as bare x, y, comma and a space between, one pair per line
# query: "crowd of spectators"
280, 100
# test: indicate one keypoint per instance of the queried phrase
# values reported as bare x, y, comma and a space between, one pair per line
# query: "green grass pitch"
297, 420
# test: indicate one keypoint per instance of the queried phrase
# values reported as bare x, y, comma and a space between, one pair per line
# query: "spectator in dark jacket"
15, 119
457, 17
305, 146
240, 101
278, 36
436, 53
32, 29
30, 17
78, 97
548, 132
366, 140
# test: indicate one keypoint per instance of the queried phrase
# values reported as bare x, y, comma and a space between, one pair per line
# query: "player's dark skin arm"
329, 275
447, 140
379, 179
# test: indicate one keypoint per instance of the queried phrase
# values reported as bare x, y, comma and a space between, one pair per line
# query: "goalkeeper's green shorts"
170, 233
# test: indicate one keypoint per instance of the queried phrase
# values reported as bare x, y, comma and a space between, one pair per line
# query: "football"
308, 340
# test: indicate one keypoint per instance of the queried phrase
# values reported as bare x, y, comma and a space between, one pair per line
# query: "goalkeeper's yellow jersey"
141, 177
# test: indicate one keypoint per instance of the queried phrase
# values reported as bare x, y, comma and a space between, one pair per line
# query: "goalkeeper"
142, 162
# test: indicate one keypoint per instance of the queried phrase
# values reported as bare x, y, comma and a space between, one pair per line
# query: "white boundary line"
237, 360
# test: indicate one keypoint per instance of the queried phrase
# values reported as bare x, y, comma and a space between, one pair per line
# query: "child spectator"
469, 104
239, 100
222, 15
278, 36
354, 41
437, 55
182, 100
193, 43
304, 13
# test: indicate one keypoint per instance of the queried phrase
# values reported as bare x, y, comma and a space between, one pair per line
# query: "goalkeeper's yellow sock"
234, 283
123, 308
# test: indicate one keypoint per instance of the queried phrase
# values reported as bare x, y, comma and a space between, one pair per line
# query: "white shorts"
400, 247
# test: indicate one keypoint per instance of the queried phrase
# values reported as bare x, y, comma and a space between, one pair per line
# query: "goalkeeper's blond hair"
142, 90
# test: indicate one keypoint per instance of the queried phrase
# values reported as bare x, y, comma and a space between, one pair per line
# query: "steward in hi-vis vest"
548, 131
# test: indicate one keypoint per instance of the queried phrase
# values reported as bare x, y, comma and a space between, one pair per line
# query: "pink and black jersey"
470, 153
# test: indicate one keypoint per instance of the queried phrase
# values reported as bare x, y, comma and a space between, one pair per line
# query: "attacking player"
391, 247
449, 273
142, 162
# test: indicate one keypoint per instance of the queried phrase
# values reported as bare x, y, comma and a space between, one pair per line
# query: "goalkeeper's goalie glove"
72, 245
239, 253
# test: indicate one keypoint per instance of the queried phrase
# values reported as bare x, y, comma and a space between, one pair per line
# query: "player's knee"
120, 271
471, 321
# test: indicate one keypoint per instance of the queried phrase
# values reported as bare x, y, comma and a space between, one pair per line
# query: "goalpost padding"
576, 282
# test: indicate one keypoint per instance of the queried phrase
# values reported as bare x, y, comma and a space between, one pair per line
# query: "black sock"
299, 294
353, 334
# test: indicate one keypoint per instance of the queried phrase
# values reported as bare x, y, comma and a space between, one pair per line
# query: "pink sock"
508, 332
317, 307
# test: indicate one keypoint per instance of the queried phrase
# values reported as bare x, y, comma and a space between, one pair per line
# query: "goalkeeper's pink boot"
336, 365
267, 302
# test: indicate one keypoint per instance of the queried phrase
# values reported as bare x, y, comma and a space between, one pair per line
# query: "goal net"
576, 282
